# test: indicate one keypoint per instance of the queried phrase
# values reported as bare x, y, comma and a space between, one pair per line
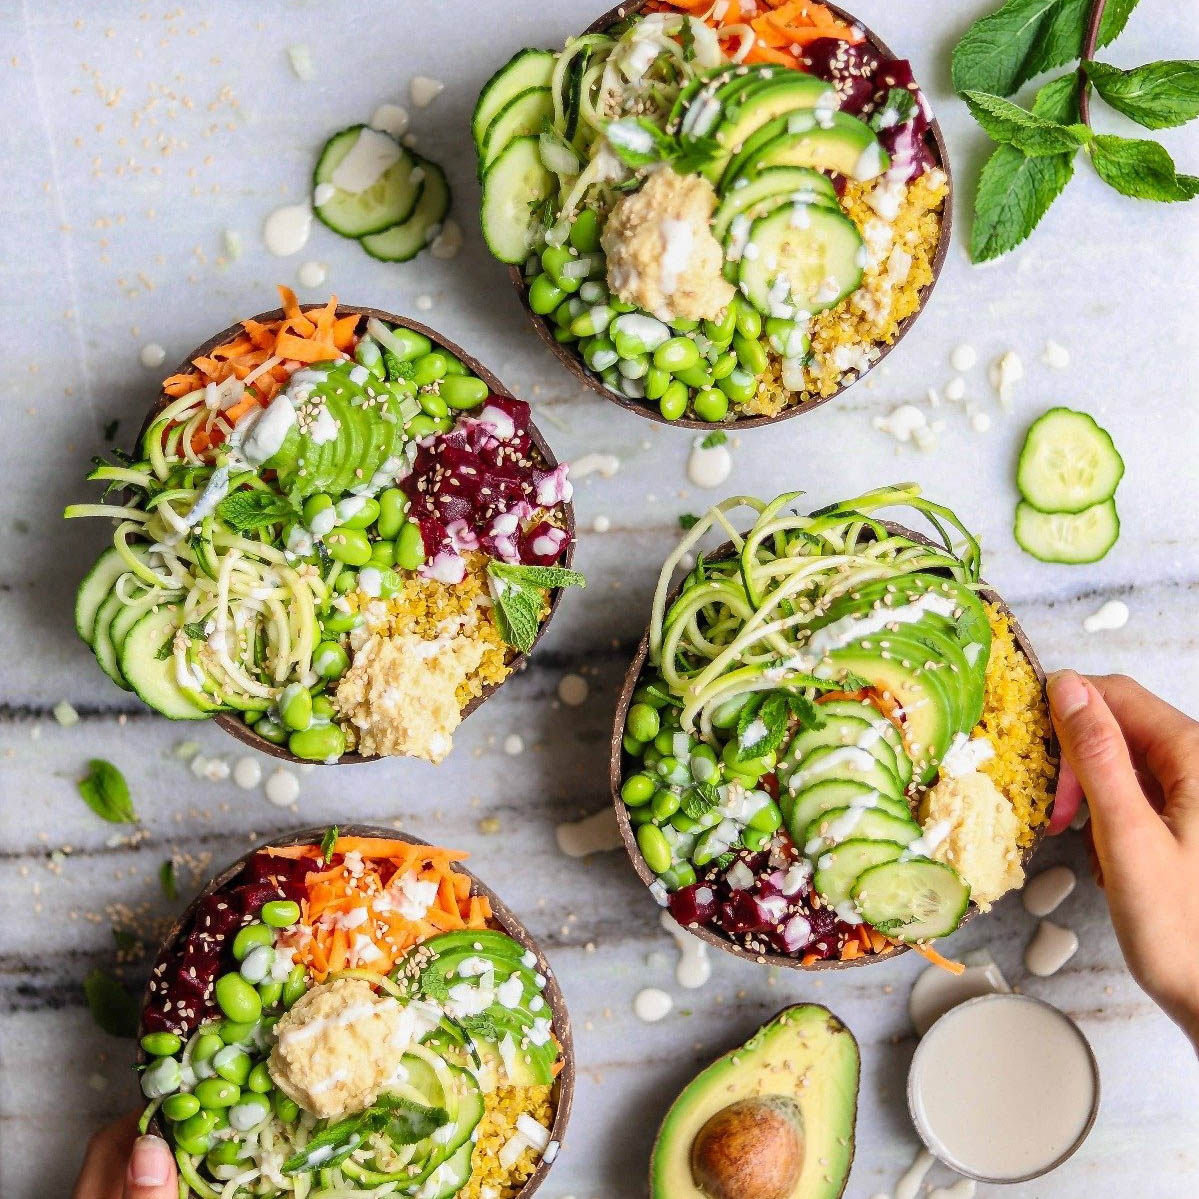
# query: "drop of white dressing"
282, 788
652, 1004
286, 230
601, 524
1112, 615
1048, 889
514, 744
605, 465
708, 467
424, 302
300, 57
247, 773
1050, 949
1055, 355
390, 119
962, 358
152, 355
694, 967
425, 90
573, 690
596, 833
312, 274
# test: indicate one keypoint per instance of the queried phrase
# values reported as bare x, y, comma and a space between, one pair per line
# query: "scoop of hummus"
399, 693
338, 1047
980, 843
661, 253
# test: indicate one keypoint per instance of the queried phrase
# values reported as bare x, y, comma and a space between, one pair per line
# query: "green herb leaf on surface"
537, 576
105, 791
1142, 169
113, 1008
124, 940
1159, 95
1009, 124
519, 593
244, 511
688, 520
719, 437
167, 880
1023, 38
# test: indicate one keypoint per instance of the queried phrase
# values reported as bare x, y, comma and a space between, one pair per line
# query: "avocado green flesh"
849, 149
802, 1042
769, 100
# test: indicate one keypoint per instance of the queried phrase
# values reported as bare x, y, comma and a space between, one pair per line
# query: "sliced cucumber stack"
514, 186
525, 70
405, 240
1068, 472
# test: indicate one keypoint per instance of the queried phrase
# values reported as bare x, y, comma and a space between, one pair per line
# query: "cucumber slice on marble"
404, 241
363, 182
1072, 538
1068, 463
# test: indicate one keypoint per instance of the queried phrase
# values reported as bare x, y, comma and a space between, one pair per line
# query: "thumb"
1093, 746
151, 1173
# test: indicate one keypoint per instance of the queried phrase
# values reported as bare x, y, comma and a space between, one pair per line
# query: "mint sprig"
1140, 168
245, 511
1159, 95
1010, 125
519, 593
106, 792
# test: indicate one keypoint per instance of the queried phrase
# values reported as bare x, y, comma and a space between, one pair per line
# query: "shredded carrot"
809, 958
366, 874
850, 950
933, 956
864, 937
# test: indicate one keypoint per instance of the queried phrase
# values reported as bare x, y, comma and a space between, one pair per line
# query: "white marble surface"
135, 138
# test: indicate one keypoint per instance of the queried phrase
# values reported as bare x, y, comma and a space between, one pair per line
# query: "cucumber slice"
524, 70
374, 189
866, 824
405, 241
856, 730
1068, 463
152, 677
514, 186
769, 189
521, 116
844, 864
809, 266
102, 645
96, 587
1072, 538
840, 762
823, 797
913, 900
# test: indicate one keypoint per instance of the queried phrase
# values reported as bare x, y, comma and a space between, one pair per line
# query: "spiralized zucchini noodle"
740, 622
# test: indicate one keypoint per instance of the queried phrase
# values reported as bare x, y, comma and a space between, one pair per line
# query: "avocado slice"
788, 1098
842, 144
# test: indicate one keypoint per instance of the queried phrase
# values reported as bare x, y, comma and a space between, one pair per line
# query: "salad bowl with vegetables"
338, 535
715, 217
352, 1012
833, 742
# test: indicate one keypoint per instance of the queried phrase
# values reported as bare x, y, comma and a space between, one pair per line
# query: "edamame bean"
632, 745
222, 1155
654, 848
593, 292
314, 505
365, 515
750, 353
684, 824
768, 817
280, 913
592, 321
207, 1043
545, 295
232, 1064
295, 706
248, 1113
641, 815
664, 741
724, 365
739, 386
235, 1032
638, 789
288, 1110
684, 326
330, 661
643, 722
270, 992
341, 622
453, 365
259, 1080
410, 547
681, 874
585, 232
320, 743
368, 354
258, 964
393, 504
180, 1107
645, 695
346, 580
383, 555
253, 935
162, 1078
555, 259
464, 391
651, 758
676, 354
294, 986
237, 999
754, 838
599, 354
697, 376
428, 368
193, 1135
673, 403
721, 330
433, 404
322, 708
161, 1044
409, 344
634, 368
665, 803
620, 306
421, 425
349, 546
656, 382
711, 404
216, 1093
749, 320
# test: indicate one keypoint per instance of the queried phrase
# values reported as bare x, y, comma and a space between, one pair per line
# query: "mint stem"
1088, 52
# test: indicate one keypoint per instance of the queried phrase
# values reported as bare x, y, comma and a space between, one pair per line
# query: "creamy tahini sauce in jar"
1003, 1088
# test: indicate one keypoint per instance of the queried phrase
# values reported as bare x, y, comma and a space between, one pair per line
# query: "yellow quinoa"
500, 1109
870, 316
1016, 721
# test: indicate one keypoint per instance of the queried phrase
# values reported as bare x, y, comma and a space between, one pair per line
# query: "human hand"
1136, 759
119, 1164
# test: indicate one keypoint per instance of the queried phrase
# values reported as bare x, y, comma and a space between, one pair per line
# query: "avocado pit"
750, 1149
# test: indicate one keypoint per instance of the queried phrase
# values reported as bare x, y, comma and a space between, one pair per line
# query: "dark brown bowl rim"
573, 363
238, 728
628, 836
564, 1084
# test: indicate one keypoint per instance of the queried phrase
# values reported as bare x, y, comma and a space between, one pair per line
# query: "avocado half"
771, 1119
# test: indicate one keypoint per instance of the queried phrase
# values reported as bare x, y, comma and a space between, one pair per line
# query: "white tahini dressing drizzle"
286, 230
596, 833
369, 158
694, 967
708, 466
652, 1004
1112, 615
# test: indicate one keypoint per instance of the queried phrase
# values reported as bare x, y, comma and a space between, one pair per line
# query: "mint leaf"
637, 141
537, 576
1014, 190
714, 439
410, 1122
431, 983
167, 880
105, 791
688, 520
772, 717
805, 711
1140, 168
1159, 95
1025, 37
328, 844
518, 614
687, 39
1009, 124
897, 108
113, 1009
244, 511
699, 800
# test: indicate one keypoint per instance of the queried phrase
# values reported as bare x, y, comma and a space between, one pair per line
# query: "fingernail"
1067, 693
150, 1162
